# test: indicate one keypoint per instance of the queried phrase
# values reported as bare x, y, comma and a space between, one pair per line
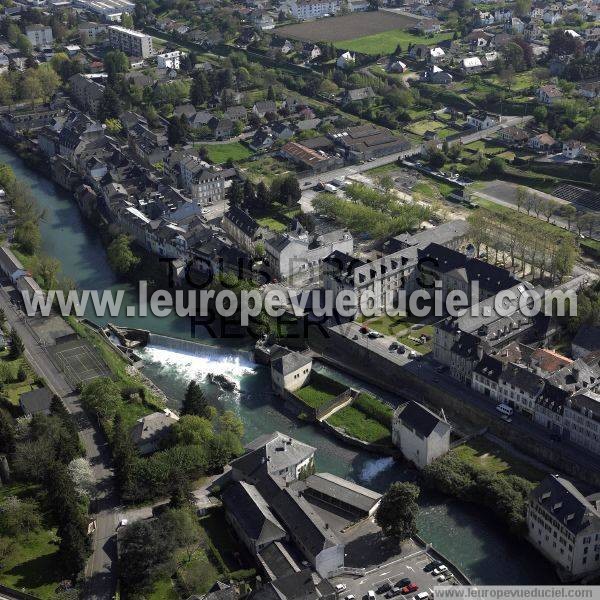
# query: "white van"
505, 410
422, 596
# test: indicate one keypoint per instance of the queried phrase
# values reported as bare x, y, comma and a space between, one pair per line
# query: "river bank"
473, 540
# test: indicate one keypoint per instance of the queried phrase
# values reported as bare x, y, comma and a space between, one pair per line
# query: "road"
101, 569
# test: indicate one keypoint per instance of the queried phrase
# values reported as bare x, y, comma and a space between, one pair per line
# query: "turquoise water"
473, 540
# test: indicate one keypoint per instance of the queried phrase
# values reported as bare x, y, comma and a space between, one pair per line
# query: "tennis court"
78, 360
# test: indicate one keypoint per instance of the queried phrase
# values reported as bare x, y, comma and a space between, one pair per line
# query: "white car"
340, 587
441, 569
350, 597
205, 211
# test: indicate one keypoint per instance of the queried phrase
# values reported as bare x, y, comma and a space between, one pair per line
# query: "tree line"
506, 235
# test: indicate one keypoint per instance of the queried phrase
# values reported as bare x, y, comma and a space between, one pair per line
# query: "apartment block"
133, 43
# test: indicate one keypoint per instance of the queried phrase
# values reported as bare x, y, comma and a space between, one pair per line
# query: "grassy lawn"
386, 41
357, 424
33, 565
483, 453
220, 153
388, 325
266, 169
423, 348
277, 217
319, 390
420, 127
14, 390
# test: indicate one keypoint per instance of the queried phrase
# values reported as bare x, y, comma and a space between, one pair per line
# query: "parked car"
434, 564
395, 591
442, 578
393, 346
403, 582
364, 330
384, 587
411, 587
373, 335
371, 595
401, 349
340, 587
441, 569
413, 354
350, 597
506, 418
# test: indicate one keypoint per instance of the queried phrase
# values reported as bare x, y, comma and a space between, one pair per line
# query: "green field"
220, 153
33, 564
358, 425
387, 41
486, 455
319, 390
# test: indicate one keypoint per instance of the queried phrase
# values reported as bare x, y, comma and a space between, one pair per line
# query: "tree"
115, 62
568, 212
31, 88
17, 347
102, 397
235, 193
194, 402
110, 105
48, 79
200, 89
27, 235
522, 7
7, 432
177, 131
127, 20
230, 423
19, 517
23, 44
397, 512
286, 189
113, 126
121, 256
262, 195
80, 471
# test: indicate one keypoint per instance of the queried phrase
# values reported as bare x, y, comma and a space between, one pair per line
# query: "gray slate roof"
420, 419
36, 401
252, 512
290, 362
347, 491
566, 504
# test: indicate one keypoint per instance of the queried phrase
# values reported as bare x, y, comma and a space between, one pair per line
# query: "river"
466, 534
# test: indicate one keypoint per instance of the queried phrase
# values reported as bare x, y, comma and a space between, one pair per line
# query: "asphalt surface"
101, 569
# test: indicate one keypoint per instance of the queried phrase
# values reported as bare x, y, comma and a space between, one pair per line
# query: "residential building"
471, 64
420, 434
39, 35
87, 91
36, 402
294, 252
573, 149
290, 371
346, 60
585, 341
90, 31
542, 142
132, 43
357, 95
242, 228
149, 431
549, 94
482, 120
169, 60
261, 108
204, 184
564, 526
313, 9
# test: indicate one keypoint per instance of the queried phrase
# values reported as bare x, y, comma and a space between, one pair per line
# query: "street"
101, 570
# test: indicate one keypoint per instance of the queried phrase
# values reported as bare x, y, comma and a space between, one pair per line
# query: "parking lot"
410, 565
